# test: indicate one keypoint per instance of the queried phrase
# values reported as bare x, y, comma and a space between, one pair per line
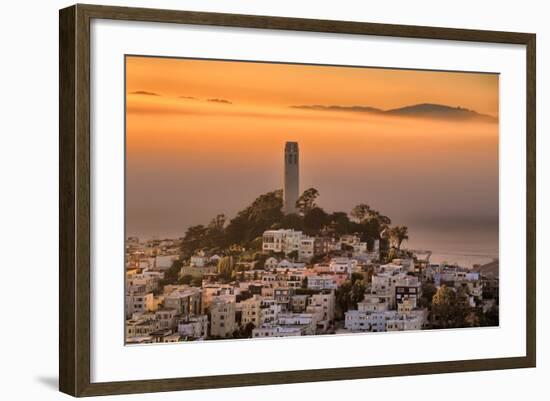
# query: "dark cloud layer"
146, 93
216, 100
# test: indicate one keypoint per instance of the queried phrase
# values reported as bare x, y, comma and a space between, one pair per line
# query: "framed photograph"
250, 200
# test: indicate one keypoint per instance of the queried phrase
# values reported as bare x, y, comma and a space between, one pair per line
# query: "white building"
364, 321
198, 261
306, 321
270, 310
321, 283
196, 326
271, 263
373, 303
306, 249
276, 331
342, 265
287, 241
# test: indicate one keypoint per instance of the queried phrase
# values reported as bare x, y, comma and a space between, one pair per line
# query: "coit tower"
292, 177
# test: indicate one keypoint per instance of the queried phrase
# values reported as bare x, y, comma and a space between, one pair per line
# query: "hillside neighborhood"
267, 273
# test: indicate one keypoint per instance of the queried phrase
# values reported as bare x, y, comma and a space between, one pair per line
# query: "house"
185, 300
298, 303
194, 327
222, 316
250, 311
287, 241
271, 263
373, 303
321, 283
357, 321
276, 331
141, 327
342, 265
322, 306
166, 318
139, 302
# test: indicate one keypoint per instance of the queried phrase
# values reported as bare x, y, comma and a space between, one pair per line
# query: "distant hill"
357, 109
423, 110
430, 110
490, 269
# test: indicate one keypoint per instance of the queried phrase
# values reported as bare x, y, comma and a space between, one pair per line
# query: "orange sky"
189, 158
268, 84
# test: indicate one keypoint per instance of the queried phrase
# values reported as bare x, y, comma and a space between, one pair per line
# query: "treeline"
266, 212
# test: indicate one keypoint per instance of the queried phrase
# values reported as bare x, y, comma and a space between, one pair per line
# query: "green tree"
306, 201
292, 220
355, 277
348, 295
171, 275
226, 265
259, 259
194, 239
398, 234
428, 291
315, 219
293, 255
251, 222
450, 307
361, 212
357, 293
215, 233
340, 223
186, 279
196, 281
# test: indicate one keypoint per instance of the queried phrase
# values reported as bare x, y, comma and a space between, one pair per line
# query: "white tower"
292, 177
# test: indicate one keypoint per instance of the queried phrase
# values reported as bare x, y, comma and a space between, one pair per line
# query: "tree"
450, 307
428, 291
348, 295
398, 234
225, 267
357, 293
293, 255
172, 274
361, 212
306, 201
196, 282
193, 240
259, 259
186, 279
250, 223
217, 223
293, 221
315, 219
244, 331
340, 223
355, 277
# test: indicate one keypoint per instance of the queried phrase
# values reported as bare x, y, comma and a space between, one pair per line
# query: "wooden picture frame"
74, 203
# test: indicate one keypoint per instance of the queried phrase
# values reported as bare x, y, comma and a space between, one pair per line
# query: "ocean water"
463, 244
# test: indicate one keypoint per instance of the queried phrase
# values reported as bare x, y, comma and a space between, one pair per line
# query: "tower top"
291, 147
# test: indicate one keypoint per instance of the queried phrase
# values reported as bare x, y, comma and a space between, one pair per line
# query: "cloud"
187, 97
146, 93
215, 100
